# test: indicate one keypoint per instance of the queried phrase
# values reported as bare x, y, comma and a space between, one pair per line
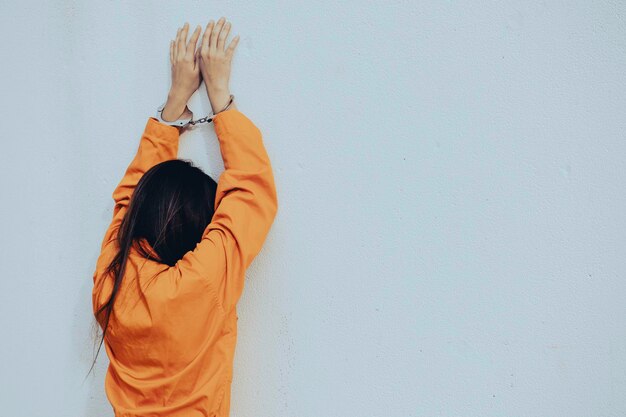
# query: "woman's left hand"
185, 74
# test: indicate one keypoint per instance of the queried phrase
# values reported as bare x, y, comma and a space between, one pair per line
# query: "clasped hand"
211, 63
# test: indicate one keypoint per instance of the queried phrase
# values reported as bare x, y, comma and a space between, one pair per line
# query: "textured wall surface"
451, 235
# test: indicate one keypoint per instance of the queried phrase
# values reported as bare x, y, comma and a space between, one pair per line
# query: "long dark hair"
169, 210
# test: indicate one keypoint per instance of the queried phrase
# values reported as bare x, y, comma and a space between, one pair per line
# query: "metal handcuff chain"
192, 122
210, 117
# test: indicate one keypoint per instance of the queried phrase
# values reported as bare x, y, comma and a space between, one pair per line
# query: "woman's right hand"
215, 62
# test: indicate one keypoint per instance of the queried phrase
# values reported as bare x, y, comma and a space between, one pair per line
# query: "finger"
223, 35
176, 44
231, 47
206, 37
197, 58
215, 32
182, 41
171, 52
191, 47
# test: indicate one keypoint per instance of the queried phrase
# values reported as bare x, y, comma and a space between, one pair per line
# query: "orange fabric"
172, 333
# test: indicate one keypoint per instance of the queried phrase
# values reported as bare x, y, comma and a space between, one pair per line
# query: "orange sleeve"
158, 143
245, 207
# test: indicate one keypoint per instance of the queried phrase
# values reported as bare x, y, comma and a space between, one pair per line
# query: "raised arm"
245, 207
245, 201
159, 141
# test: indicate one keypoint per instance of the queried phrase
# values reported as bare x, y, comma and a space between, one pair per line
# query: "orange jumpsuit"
173, 330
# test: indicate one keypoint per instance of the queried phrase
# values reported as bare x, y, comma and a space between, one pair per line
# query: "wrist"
175, 108
219, 97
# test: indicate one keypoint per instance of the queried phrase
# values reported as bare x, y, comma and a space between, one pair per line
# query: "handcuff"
190, 121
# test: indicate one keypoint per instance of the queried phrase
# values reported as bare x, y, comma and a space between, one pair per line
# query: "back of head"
170, 209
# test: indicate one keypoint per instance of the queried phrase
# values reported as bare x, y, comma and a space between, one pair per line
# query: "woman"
173, 260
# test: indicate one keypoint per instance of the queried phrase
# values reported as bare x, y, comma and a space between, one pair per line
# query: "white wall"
451, 236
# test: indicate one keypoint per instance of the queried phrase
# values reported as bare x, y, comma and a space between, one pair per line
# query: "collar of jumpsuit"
172, 333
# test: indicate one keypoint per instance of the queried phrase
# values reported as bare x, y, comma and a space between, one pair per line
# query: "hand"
215, 62
185, 73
